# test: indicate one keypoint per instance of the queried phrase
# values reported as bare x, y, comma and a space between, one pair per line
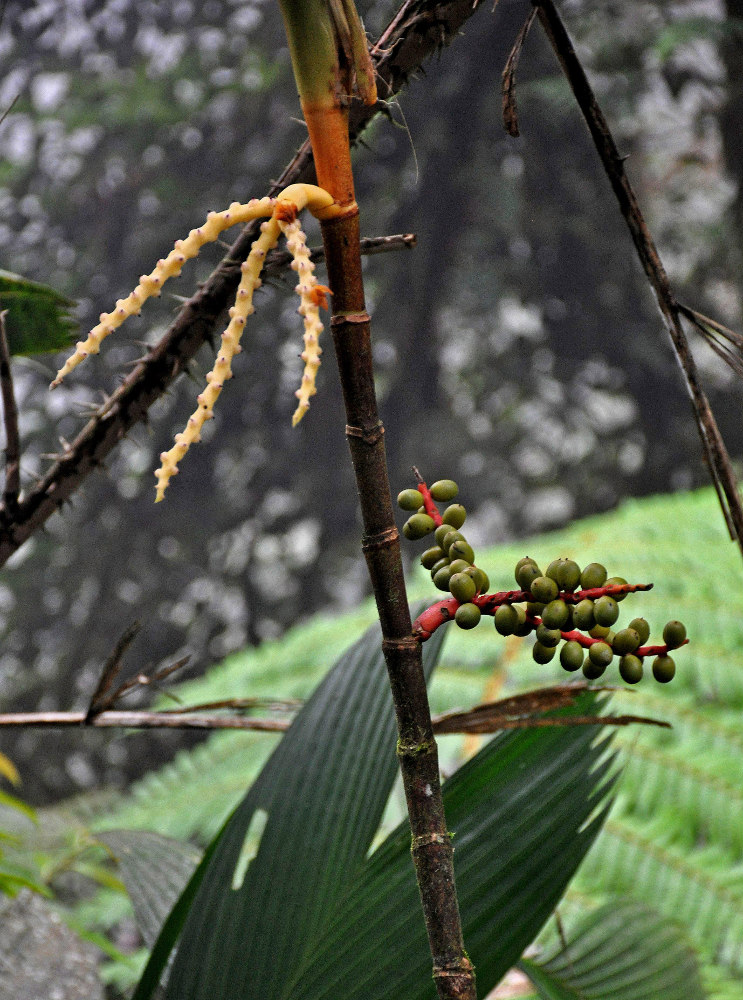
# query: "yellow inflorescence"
282, 216
312, 297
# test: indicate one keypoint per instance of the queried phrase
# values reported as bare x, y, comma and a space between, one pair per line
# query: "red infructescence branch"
429, 504
443, 611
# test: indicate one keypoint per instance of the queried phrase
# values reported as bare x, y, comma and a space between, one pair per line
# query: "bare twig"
718, 460
101, 699
521, 711
10, 419
279, 260
510, 113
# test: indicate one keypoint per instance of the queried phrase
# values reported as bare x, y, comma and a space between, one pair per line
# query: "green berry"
674, 634
599, 632
642, 628
481, 578
439, 564
506, 619
418, 526
583, 616
630, 669
431, 556
544, 589
410, 499
594, 575
625, 641
542, 654
444, 490
523, 562
568, 575
535, 607
462, 549
441, 578
605, 610
467, 615
526, 574
591, 670
454, 515
459, 565
451, 536
462, 586
441, 532
571, 655
600, 654
553, 569
556, 614
616, 581
548, 636
664, 668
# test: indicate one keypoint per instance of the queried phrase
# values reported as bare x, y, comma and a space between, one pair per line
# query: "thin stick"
718, 460
143, 720
10, 419
279, 260
101, 698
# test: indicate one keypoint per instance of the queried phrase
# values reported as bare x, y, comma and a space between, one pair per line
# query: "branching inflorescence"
281, 217
562, 605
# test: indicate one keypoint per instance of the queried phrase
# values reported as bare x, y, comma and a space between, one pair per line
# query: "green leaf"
155, 870
320, 800
38, 318
524, 812
622, 951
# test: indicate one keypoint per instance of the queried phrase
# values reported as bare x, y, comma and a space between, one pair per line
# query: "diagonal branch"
718, 460
418, 29
10, 419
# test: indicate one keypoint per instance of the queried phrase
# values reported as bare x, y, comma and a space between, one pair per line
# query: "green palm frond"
38, 319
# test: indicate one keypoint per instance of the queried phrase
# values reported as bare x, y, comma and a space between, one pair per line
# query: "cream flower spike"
281, 215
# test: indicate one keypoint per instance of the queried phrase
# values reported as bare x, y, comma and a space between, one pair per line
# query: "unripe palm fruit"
418, 526
568, 575
481, 578
625, 641
441, 532
616, 581
600, 654
593, 575
664, 668
506, 619
535, 607
459, 565
467, 615
630, 669
455, 515
439, 564
605, 610
542, 654
523, 562
571, 655
444, 490
451, 537
462, 587
441, 578
548, 636
674, 634
591, 670
599, 632
410, 499
544, 589
583, 616
553, 569
642, 628
526, 574
431, 556
556, 614
462, 550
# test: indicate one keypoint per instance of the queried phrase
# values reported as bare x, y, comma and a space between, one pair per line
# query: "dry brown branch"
10, 420
718, 460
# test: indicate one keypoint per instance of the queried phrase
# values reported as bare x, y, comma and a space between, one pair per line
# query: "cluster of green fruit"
564, 605
451, 561
567, 602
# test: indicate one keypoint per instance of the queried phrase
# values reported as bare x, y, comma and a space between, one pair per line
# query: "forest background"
518, 349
